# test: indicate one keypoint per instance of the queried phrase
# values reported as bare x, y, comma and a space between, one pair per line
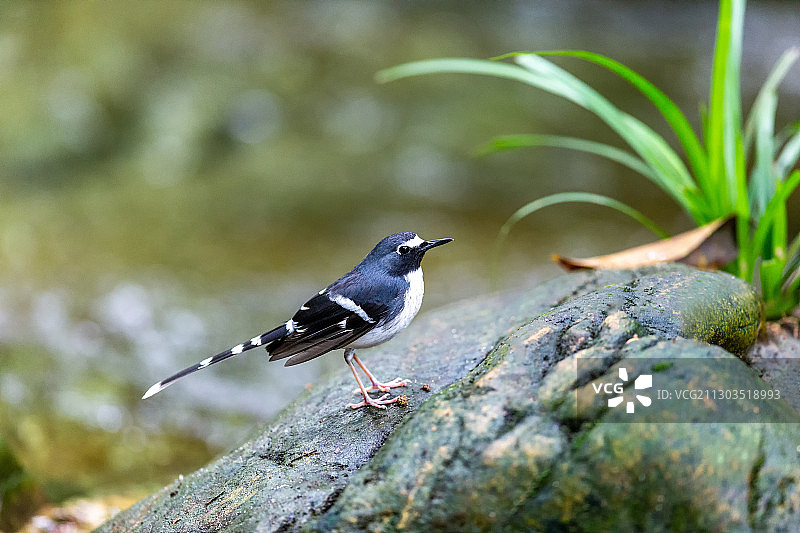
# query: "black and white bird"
367, 306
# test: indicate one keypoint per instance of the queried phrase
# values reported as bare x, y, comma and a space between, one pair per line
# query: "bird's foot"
380, 403
384, 387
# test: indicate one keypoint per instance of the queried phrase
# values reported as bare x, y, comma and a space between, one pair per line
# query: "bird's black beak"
427, 245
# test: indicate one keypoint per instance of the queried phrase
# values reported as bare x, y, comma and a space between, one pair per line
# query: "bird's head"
400, 253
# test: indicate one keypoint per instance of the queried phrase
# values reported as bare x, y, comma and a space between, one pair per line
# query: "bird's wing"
326, 322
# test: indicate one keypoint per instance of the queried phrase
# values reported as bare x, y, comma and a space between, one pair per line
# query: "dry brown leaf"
709, 246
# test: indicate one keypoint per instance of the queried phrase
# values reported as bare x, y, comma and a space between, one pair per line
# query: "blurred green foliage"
19, 493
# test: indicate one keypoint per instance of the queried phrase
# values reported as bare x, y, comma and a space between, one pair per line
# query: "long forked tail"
259, 340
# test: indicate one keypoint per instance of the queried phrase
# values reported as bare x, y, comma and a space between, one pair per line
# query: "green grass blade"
791, 273
788, 131
760, 130
509, 142
642, 140
745, 259
762, 178
793, 254
727, 168
567, 197
724, 119
771, 271
789, 155
779, 235
453, 65
775, 214
670, 171
768, 94
695, 154
791, 287
581, 197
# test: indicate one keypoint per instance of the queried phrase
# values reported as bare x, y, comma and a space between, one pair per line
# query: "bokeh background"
176, 177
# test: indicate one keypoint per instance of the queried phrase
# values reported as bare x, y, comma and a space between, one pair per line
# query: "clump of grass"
738, 168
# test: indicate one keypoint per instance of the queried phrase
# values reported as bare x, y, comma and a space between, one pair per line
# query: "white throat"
416, 290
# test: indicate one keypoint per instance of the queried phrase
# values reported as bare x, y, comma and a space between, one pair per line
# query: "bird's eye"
402, 250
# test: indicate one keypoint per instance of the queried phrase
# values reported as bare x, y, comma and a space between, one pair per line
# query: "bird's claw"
396, 382
384, 387
380, 403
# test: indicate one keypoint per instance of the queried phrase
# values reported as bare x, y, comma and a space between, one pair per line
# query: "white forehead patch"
413, 243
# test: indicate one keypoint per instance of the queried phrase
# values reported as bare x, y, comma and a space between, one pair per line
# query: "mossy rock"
488, 445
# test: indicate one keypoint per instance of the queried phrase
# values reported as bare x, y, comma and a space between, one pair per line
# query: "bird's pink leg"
380, 403
377, 385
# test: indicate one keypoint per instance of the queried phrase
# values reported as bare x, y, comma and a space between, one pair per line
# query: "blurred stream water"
176, 178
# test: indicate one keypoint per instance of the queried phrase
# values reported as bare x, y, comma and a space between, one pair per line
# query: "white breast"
413, 301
